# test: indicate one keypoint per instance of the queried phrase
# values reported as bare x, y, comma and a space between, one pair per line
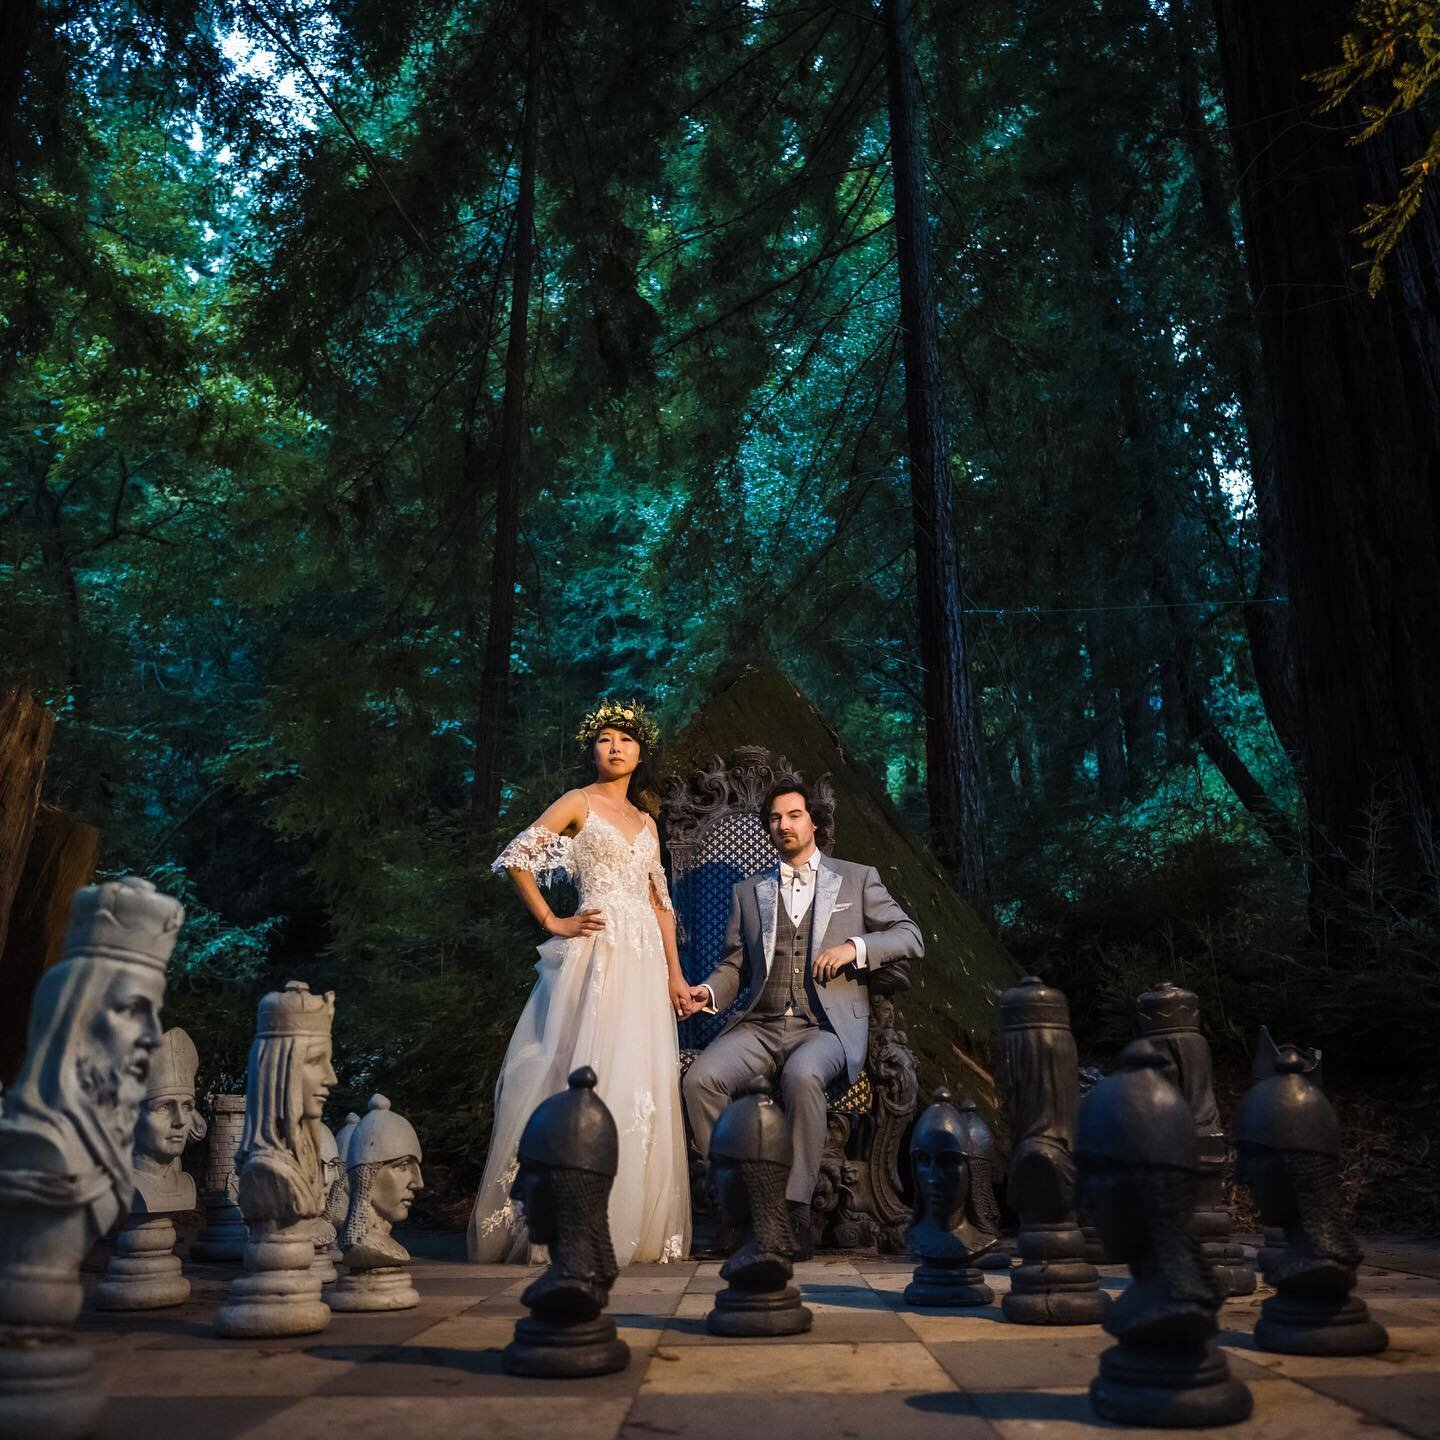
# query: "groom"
799, 944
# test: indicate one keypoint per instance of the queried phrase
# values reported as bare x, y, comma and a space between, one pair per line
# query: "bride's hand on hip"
583, 922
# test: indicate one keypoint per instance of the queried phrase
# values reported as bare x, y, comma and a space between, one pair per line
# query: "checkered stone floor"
871, 1366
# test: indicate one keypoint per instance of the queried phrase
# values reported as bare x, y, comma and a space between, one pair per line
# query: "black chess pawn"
1170, 1018
1137, 1174
1056, 1283
750, 1158
956, 1219
1289, 1141
568, 1155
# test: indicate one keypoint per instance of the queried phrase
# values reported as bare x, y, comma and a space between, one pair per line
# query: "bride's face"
616, 754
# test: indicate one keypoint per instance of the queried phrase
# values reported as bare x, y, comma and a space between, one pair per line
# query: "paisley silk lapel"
767, 897
827, 891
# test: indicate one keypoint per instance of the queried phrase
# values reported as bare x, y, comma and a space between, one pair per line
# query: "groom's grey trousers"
807, 1058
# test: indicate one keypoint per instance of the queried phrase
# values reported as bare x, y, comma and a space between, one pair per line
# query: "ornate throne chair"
714, 836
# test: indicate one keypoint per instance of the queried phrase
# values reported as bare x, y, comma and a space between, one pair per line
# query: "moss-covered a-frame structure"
950, 1011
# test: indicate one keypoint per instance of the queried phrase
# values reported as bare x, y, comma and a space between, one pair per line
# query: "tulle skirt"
600, 1000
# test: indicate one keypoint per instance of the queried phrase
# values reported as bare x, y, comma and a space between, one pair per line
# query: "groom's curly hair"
819, 802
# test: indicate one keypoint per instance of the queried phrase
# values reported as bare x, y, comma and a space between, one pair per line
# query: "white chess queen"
609, 991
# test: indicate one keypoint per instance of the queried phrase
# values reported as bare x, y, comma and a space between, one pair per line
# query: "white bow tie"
800, 876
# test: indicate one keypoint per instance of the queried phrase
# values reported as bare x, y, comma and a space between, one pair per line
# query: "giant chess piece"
337, 1202
66, 1131
567, 1157
1138, 1171
956, 1219
281, 1189
1289, 1143
1170, 1018
342, 1139
384, 1158
750, 1158
1055, 1284
222, 1237
144, 1272
1265, 1064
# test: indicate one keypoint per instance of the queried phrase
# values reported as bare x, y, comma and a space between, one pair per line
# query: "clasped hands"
687, 1000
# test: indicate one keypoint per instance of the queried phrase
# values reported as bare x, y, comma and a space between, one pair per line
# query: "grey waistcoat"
790, 984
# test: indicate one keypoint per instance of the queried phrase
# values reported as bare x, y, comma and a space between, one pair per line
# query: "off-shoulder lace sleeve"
541, 851
658, 887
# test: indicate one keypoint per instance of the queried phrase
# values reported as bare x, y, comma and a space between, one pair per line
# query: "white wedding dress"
602, 1000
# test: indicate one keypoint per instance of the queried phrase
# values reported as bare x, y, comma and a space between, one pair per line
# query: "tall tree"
952, 754
1355, 387
500, 632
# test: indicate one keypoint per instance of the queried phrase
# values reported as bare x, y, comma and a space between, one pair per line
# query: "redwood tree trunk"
951, 750
1267, 623
1355, 388
490, 724
1109, 736
25, 730
62, 857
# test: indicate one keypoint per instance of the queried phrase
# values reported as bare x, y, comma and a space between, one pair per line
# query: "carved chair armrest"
893, 979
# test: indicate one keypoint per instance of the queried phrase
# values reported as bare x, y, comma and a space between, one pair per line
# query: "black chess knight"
567, 1159
1138, 1172
750, 1158
1289, 1143
956, 1219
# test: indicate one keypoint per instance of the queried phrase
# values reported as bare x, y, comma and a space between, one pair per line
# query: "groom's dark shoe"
804, 1229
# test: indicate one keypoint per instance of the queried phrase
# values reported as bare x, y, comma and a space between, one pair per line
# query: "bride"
609, 992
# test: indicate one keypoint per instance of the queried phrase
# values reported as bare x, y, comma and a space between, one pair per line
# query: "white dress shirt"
797, 889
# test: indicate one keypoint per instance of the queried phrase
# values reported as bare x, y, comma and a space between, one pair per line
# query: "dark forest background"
382, 382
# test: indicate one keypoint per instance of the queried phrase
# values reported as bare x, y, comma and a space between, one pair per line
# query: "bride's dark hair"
644, 791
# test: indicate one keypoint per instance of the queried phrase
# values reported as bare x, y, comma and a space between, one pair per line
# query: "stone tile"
1283, 1411
1417, 1257
1411, 1401
852, 1297
345, 1331
496, 1417
246, 1368
670, 1268
1066, 1357
944, 1415
442, 1371
149, 1416
637, 1287
465, 1332
973, 1322
764, 1368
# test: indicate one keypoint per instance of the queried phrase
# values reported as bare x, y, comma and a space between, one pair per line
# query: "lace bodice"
609, 870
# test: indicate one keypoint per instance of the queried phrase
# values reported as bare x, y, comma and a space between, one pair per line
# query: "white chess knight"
144, 1273
282, 1189
66, 1130
384, 1167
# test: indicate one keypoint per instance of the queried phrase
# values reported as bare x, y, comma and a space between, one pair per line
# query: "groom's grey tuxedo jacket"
850, 900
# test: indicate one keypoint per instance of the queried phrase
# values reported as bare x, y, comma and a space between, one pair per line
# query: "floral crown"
628, 716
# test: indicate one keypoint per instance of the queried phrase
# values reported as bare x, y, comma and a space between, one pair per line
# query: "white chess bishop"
144, 1272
